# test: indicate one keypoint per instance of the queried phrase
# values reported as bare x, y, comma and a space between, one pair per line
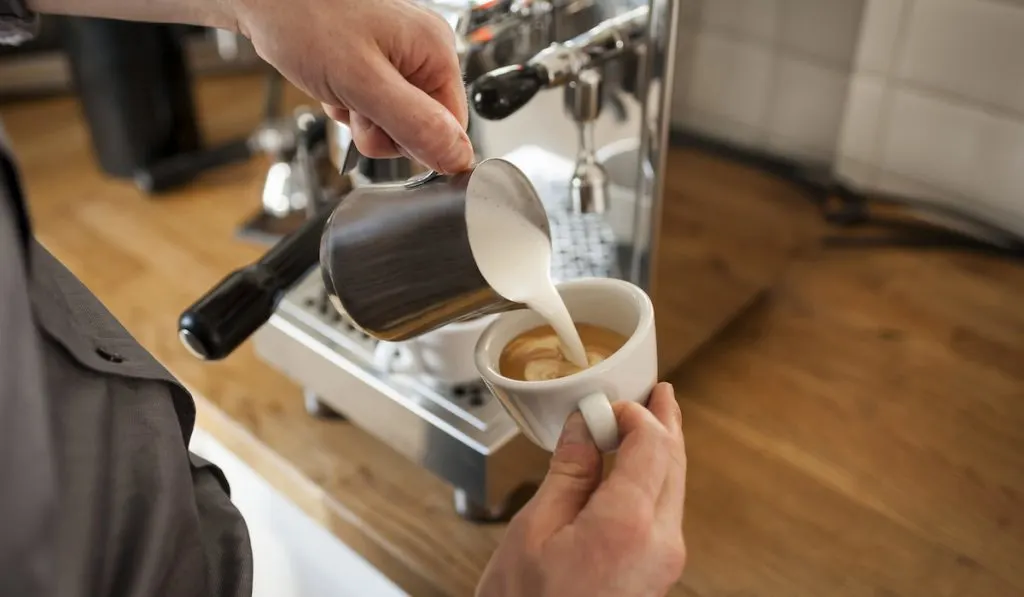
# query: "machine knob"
501, 92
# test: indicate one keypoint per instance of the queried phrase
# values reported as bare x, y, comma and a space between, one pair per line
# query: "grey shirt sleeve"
28, 495
99, 495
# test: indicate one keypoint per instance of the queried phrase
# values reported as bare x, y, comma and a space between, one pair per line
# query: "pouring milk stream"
514, 257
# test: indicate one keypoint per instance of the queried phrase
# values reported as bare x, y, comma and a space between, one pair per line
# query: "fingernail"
575, 431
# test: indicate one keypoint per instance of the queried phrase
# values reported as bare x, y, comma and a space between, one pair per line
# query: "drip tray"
308, 307
461, 433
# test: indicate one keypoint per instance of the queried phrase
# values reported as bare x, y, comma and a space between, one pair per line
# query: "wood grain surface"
859, 432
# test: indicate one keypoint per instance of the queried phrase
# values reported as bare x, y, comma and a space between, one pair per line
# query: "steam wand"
503, 91
589, 184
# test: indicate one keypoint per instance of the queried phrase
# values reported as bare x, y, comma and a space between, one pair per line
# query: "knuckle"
675, 556
635, 529
442, 29
674, 560
665, 438
524, 531
575, 462
676, 413
643, 519
569, 469
434, 121
437, 28
631, 409
425, 138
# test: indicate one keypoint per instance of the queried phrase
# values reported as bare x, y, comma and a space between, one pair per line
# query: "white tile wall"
807, 108
861, 127
973, 49
755, 19
916, 96
825, 30
769, 74
936, 105
724, 128
852, 170
879, 35
730, 78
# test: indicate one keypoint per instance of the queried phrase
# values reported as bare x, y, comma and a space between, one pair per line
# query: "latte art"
537, 355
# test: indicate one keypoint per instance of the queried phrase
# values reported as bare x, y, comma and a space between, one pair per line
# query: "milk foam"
512, 253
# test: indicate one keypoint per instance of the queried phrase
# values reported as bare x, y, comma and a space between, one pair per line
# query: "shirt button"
112, 357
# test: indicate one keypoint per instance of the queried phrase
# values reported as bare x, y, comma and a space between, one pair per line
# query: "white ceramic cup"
540, 408
444, 355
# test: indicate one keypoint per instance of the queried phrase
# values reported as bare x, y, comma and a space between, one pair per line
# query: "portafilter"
395, 260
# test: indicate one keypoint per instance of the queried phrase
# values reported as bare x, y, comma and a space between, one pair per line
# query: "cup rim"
490, 371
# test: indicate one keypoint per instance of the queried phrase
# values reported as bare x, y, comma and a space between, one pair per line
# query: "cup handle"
600, 418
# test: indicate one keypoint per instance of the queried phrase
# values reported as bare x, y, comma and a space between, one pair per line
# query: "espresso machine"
578, 95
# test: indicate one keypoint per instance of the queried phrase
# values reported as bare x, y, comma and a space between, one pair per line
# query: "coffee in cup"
628, 373
537, 355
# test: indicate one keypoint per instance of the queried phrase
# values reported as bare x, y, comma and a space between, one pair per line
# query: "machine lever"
501, 92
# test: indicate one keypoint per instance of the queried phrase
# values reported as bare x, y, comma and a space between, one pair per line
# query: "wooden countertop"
859, 432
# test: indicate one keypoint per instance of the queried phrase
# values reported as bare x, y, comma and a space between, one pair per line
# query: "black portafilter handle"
503, 91
241, 303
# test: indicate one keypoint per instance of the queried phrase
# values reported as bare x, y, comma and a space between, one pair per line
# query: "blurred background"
834, 248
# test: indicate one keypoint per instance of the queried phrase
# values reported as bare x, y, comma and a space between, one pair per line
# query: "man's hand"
388, 68
581, 537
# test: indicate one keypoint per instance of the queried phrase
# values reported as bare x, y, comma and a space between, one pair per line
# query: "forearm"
207, 13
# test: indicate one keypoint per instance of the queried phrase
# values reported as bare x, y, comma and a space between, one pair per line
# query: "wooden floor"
860, 432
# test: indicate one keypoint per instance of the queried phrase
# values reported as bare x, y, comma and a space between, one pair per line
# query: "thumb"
574, 474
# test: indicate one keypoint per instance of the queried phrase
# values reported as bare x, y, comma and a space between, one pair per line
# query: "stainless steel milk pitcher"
396, 258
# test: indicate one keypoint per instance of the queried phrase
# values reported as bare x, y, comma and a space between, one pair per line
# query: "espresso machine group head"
540, 74
576, 66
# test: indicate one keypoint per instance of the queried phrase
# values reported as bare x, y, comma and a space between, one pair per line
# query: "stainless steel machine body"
588, 121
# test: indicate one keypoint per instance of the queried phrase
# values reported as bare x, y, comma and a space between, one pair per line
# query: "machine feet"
316, 407
478, 513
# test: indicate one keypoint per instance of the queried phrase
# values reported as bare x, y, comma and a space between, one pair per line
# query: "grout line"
771, 93
1007, 3
840, 134
959, 99
889, 84
870, 171
701, 114
735, 35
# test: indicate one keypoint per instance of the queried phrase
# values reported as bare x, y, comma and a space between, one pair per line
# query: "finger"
337, 113
575, 472
428, 130
371, 140
441, 77
642, 461
452, 93
665, 408
672, 501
